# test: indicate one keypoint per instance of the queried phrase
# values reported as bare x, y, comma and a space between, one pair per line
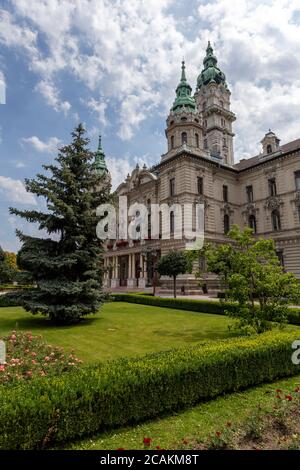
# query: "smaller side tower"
213, 101
184, 123
270, 143
100, 163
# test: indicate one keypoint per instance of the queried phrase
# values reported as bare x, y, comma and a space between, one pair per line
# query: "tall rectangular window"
200, 185
272, 187
172, 187
225, 193
280, 257
249, 191
297, 180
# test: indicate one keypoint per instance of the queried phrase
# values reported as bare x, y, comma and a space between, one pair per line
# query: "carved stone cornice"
250, 209
296, 200
201, 199
227, 209
273, 202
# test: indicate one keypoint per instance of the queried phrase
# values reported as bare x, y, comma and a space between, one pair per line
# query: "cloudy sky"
114, 65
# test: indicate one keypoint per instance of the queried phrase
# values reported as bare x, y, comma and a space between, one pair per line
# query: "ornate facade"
262, 192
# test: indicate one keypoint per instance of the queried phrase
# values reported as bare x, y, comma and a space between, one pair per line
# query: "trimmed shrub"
10, 299
202, 306
127, 391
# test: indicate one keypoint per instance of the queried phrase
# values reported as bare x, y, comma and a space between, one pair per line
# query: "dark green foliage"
67, 266
172, 264
250, 272
201, 306
128, 391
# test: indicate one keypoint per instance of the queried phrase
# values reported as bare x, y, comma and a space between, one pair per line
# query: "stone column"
142, 278
131, 281
115, 282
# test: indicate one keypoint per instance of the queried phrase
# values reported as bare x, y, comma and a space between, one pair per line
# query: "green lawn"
121, 329
195, 423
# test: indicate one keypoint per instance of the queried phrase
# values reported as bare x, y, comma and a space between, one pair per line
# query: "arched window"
197, 140
172, 141
205, 122
172, 223
221, 104
226, 223
184, 138
224, 142
205, 144
269, 148
276, 222
252, 223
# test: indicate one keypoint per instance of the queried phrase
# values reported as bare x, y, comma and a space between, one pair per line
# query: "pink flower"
2, 368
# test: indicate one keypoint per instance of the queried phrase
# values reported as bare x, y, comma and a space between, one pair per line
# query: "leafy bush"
202, 306
10, 299
54, 409
28, 356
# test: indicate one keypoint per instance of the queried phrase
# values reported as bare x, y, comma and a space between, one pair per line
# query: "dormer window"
269, 148
197, 140
172, 142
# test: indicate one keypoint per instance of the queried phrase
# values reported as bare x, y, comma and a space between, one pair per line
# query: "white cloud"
131, 51
14, 191
51, 95
99, 108
2, 88
120, 167
20, 164
49, 146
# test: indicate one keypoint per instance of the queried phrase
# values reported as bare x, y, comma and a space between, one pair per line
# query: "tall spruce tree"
66, 267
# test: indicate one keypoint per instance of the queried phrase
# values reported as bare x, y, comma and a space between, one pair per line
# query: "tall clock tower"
212, 97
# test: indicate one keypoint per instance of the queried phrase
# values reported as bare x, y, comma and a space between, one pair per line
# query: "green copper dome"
184, 100
100, 164
211, 72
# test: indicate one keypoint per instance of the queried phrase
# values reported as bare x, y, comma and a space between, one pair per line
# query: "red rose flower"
147, 441
218, 433
289, 397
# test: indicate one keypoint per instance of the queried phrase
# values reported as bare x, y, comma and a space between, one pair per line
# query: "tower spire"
183, 77
211, 72
183, 94
99, 163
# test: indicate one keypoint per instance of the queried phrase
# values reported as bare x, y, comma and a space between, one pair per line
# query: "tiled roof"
249, 162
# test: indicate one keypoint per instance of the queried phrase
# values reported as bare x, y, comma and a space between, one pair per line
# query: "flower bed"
131, 390
28, 356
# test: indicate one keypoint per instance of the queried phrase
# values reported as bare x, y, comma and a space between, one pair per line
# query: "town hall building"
262, 192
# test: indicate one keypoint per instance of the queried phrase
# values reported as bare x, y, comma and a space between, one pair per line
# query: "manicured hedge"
202, 306
10, 299
51, 410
